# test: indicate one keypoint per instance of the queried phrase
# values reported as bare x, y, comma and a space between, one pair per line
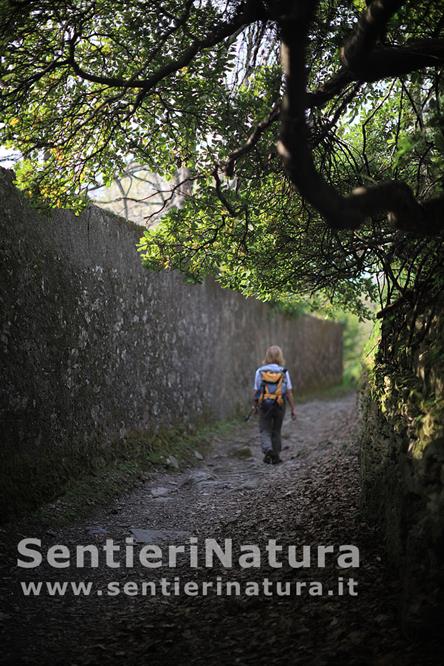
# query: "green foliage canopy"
275, 111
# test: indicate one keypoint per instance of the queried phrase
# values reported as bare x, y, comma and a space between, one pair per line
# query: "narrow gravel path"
311, 498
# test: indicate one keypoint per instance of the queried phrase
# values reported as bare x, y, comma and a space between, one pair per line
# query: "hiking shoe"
276, 460
268, 457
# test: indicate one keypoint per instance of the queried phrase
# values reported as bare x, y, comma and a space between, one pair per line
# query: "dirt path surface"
312, 498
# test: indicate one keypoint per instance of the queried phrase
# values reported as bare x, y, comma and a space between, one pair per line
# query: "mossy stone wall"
402, 455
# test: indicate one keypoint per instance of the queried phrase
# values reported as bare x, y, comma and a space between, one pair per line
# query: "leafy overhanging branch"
254, 231
252, 140
246, 14
342, 212
382, 63
368, 31
362, 63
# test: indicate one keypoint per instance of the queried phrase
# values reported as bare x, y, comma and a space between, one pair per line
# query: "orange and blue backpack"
272, 387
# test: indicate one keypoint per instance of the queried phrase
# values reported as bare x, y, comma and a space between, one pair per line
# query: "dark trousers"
270, 424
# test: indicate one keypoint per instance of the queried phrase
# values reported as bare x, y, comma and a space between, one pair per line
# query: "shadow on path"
312, 498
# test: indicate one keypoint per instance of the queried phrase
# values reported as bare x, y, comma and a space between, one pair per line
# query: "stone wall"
402, 456
92, 345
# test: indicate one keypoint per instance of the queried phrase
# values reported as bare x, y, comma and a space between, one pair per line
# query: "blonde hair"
274, 355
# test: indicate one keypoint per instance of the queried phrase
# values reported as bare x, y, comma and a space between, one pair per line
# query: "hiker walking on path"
272, 388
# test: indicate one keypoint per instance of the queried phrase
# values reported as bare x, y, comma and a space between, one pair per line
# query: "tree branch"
394, 198
247, 13
223, 199
363, 62
382, 63
368, 31
252, 140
